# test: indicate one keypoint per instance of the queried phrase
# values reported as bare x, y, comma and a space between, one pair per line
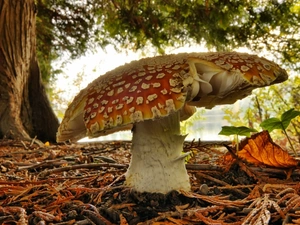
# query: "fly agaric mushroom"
150, 96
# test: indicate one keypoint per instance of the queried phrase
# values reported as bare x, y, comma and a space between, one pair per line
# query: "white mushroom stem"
157, 163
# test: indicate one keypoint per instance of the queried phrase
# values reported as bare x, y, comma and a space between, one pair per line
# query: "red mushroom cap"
155, 87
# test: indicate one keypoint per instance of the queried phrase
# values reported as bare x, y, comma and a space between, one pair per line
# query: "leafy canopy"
77, 26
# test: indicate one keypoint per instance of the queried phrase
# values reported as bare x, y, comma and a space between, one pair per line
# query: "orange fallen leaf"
261, 150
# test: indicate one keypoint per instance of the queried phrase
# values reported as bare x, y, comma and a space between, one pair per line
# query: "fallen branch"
243, 194
47, 163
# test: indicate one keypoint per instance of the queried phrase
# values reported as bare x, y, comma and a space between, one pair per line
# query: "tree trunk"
25, 110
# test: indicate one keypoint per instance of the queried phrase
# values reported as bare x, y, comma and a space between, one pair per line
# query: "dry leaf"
261, 150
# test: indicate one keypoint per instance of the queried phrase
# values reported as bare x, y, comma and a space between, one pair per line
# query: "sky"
78, 73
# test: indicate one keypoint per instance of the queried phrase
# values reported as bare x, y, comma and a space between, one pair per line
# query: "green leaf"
271, 124
232, 130
275, 123
287, 116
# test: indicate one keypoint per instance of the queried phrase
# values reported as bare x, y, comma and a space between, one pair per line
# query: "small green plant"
236, 131
268, 124
281, 124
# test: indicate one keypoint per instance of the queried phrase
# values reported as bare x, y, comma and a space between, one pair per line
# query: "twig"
46, 163
24, 145
221, 183
38, 142
81, 166
203, 167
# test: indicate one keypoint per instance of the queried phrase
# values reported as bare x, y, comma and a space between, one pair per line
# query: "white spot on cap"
120, 90
151, 68
145, 86
94, 127
95, 105
105, 116
90, 101
104, 102
119, 119
160, 75
109, 109
139, 100
152, 71
109, 123
119, 78
244, 68
93, 115
138, 81
115, 101
110, 93
137, 116
227, 66
131, 109
141, 74
266, 78
176, 67
156, 112
173, 82
257, 81
164, 91
152, 97
267, 66
88, 110
87, 120
101, 109
156, 85
119, 83
181, 98
170, 106
176, 90
119, 106
148, 77
133, 89
129, 100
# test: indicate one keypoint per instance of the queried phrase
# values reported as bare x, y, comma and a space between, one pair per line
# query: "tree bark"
25, 110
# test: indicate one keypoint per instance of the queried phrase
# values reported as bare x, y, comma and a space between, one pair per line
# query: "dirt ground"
83, 184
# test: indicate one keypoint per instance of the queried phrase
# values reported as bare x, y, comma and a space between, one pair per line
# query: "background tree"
24, 108
73, 27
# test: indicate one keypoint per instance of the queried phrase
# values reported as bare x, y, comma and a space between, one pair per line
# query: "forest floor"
83, 184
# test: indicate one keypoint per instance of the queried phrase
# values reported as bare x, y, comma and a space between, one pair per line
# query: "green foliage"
266, 103
236, 131
268, 124
186, 126
241, 131
282, 123
77, 26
